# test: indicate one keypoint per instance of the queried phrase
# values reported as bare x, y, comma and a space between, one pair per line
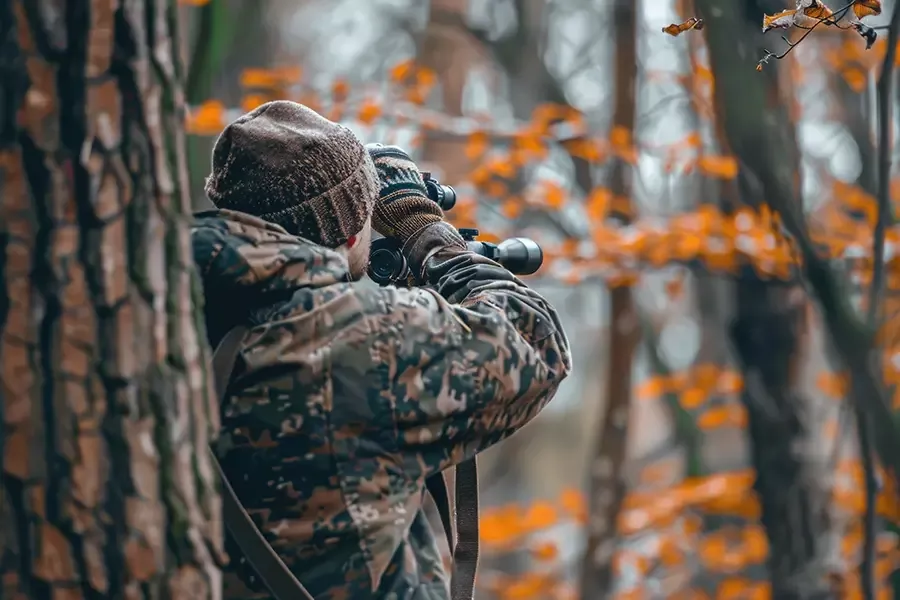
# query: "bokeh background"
703, 446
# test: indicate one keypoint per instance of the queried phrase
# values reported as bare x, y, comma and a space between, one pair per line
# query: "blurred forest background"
705, 446
706, 398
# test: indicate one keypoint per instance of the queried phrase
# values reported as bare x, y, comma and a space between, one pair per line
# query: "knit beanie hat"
288, 165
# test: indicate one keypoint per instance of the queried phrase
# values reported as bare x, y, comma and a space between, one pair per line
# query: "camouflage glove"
403, 210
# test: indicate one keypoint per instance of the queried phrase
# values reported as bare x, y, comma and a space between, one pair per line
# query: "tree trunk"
767, 324
107, 407
607, 463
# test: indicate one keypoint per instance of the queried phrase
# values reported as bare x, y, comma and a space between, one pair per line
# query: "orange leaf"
670, 554
622, 280
545, 552
339, 89
834, 385
655, 474
598, 203
530, 143
585, 148
289, 75
782, 20
499, 526
401, 71
369, 111
417, 95
540, 515
208, 118
501, 167
721, 416
252, 101
865, 8
694, 140
545, 114
572, 278
573, 503
528, 586
554, 195
693, 397
620, 137
425, 77
511, 209
679, 28
652, 388
675, 288
724, 167
816, 9
855, 78
730, 382
756, 544
622, 206
477, 144
258, 78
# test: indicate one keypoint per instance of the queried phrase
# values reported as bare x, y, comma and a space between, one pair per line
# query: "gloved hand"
403, 207
405, 212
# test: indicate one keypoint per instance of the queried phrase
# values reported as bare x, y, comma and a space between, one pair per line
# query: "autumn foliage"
708, 238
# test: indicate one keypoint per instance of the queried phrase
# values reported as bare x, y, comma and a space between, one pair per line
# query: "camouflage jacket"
350, 396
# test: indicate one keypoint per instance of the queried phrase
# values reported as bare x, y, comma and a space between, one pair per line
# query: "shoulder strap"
277, 577
464, 544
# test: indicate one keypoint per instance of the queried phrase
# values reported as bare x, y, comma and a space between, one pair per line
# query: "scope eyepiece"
442, 195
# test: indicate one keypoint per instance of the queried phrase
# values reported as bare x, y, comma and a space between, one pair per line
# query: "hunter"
348, 396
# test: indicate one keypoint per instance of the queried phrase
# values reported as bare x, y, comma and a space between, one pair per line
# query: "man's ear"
351, 241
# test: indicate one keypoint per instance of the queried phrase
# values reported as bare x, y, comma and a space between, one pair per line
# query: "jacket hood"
247, 264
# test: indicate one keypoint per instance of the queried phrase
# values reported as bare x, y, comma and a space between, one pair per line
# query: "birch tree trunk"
107, 407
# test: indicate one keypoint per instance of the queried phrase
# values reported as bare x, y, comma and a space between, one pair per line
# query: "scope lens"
521, 256
449, 197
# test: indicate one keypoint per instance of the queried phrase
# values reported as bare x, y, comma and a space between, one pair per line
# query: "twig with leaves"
809, 14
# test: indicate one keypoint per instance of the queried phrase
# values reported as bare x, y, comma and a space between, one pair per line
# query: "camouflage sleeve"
469, 361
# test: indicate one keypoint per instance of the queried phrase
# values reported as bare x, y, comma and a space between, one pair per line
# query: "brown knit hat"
288, 165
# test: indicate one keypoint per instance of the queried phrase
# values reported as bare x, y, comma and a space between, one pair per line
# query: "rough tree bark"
106, 404
607, 466
768, 320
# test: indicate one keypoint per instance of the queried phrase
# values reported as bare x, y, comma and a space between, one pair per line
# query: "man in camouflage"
350, 396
